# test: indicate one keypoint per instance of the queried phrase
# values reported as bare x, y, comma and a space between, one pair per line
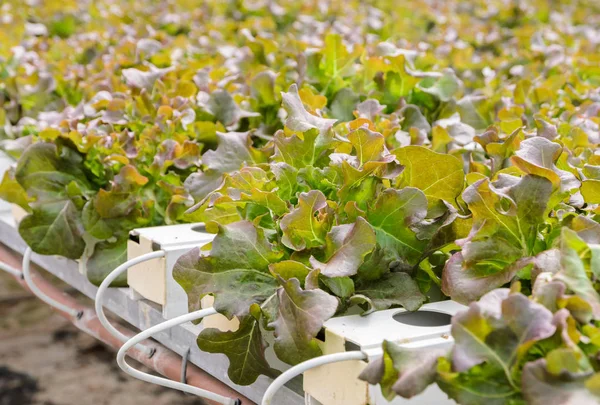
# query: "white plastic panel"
176, 236
369, 331
337, 384
153, 279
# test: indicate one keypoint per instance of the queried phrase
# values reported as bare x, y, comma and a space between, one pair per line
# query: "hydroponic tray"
143, 314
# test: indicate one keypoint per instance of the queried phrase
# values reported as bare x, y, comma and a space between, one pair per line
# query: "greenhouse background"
300, 203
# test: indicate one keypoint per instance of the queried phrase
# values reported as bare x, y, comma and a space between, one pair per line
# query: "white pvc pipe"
307, 365
112, 276
39, 293
11, 270
164, 381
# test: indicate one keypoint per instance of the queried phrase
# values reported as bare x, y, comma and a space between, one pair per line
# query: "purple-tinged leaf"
236, 277
538, 156
300, 317
496, 328
403, 371
298, 118
573, 272
540, 387
345, 249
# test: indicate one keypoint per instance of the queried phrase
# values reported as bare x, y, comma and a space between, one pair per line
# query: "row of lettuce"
342, 159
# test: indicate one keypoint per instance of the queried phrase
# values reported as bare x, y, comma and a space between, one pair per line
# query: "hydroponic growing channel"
331, 202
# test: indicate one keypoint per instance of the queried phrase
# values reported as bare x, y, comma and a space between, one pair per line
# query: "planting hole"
134, 237
199, 228
423, 318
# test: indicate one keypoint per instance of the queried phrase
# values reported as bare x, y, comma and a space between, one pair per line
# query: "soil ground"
45, 360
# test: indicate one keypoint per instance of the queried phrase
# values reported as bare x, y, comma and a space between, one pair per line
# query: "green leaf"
343, 104
444, 87
540, 387
573, 272
482, 384
369, 145
398, 82
236, 277
360, 185
337, 61
342, 287
114, 204
392, 289
249, 185
301, 227
45, 174
345, 249
437, 175
288, 269
496, 329
403, 371
64, 26
376, 264
263, 86
11, 191
514, 214
54, 229
391, 216
222, 211
245, 349
107, 256
300, 317
269, 200
590, 189
298, 151
222, 105
286, 178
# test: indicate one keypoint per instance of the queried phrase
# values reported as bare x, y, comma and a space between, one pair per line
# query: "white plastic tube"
10, 270
307, 365
39, 293
164, 381
112, 276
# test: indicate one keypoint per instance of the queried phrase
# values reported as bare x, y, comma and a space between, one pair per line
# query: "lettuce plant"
318, 227
349, 158
513, 349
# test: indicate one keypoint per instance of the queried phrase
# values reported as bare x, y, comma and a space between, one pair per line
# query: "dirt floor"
44, 360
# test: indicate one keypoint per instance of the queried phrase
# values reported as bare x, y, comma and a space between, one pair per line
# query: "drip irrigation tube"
40, 294
163, 381
10, 270
164, 361
307, 365
106, 284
